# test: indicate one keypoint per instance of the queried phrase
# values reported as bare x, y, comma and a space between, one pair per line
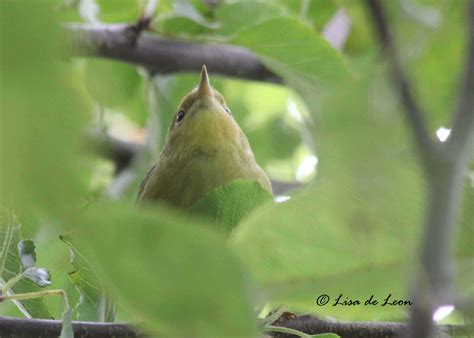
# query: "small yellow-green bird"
205, 148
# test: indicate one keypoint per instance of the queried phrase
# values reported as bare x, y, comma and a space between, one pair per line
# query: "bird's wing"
144, 182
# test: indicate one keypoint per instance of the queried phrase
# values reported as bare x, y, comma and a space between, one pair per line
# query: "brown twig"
313, 325
17, 327
131, 43
164, 55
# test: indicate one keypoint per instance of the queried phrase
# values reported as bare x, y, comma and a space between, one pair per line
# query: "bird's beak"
204, 88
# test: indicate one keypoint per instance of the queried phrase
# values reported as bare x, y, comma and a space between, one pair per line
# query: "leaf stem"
271, 328
6, 243
38, 294
12, 281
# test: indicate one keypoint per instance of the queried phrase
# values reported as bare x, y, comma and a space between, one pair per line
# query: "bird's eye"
180, 116
228, 110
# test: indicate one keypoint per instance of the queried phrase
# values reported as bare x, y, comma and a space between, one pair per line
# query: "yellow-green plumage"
204, 150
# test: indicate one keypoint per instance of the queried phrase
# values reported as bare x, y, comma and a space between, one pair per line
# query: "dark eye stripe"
228, 110
180, 116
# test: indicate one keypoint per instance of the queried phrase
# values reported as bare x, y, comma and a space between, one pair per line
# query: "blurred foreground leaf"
227, 205
359, 221
95, 305
16, 256
40, 115
173, 273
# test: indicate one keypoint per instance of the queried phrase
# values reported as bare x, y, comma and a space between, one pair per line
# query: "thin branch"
33, 295
413, 112
462, 133
18, 327
165, 55
312, 325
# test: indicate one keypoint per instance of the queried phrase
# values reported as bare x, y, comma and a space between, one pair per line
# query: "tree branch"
312, 325
131, 43
413, 112
164, 55
19, 327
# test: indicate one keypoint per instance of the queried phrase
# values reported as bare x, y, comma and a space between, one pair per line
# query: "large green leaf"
290, 47
40, 115
354, 229
170, 271
16, 256
95, 304
227, 205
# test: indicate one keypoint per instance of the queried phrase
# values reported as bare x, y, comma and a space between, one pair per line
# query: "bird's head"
203, 124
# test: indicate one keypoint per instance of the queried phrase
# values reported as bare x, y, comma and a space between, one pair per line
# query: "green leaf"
95, 305
289, 47
119, 10
359, 220
173, 272
235, 16
228, 204
40, 114
184, 19
16, 255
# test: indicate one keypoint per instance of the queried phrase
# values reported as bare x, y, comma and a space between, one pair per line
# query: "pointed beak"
204, 88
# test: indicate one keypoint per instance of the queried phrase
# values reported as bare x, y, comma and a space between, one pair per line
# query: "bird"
205, 148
